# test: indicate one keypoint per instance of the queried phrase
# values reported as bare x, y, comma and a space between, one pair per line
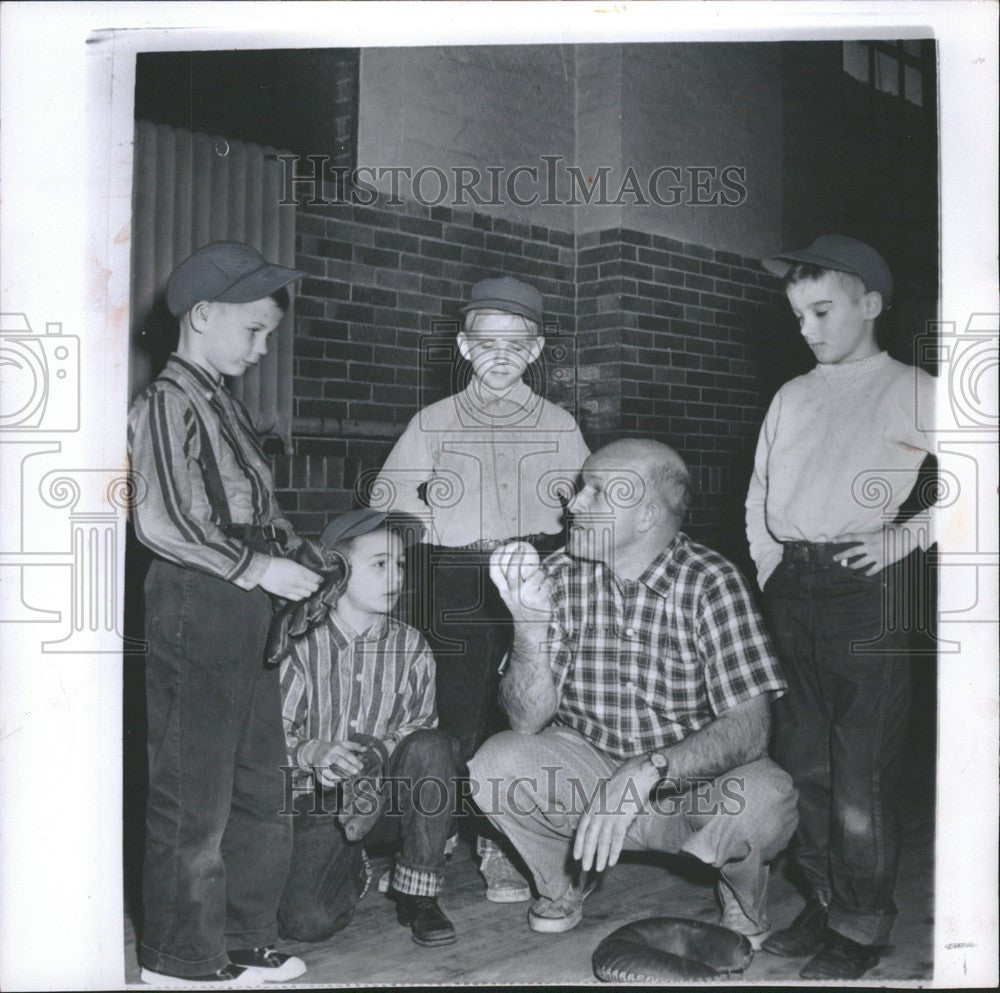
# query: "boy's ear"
198, 316
463, 345
871, 305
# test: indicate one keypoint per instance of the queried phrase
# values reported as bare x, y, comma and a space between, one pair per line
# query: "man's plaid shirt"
642, 664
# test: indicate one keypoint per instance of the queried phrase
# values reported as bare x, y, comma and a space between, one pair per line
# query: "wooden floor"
495, 944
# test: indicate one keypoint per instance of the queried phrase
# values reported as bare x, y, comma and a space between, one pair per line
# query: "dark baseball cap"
227, 272
837, 251
355, 523
506, 293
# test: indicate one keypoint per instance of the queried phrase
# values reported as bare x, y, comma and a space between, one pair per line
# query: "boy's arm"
764, 549
873, 552
410, 463
418, 708
306, 753
162, 437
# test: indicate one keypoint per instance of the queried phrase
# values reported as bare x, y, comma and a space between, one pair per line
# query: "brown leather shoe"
804, 936
841, 958
428, 923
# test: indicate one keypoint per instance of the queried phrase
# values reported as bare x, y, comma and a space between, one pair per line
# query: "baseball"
524, 557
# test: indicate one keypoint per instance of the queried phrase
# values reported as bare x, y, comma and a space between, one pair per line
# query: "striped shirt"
194, 453
489, 466
337, 682
643, 664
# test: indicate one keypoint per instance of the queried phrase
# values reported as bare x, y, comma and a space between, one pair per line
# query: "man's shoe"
804, 936
841, 958
735, 919
272, 966
228, 977
504, 884
427, 921
548, 916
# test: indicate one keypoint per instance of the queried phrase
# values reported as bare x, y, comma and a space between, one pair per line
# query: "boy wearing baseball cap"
482, 468
828, 560
217, 848
358, 705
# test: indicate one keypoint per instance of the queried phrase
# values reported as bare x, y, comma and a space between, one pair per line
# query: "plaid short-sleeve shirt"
642, 664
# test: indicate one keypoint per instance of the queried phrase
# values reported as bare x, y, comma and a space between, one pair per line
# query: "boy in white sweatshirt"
838, 453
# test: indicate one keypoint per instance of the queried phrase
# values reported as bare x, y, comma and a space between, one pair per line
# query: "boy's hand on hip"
288, 579
517, 573
871, 553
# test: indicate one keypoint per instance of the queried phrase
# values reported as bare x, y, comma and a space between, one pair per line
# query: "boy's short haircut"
282, 298
802, 272
838, 253
530, 326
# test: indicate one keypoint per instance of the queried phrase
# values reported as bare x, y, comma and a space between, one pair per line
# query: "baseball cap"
837, 251
227, 272
506, 293
355, 523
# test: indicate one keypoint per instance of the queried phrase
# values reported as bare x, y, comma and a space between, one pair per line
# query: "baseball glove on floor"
668, 949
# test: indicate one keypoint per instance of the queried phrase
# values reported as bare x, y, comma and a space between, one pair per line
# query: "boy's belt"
491, 544
814, 552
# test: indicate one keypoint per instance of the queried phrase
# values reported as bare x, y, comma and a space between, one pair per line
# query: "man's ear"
650, 515
871, 305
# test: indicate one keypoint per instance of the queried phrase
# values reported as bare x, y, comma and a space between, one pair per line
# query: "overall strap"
207, 462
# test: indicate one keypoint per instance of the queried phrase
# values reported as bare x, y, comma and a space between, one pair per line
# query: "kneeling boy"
358, 700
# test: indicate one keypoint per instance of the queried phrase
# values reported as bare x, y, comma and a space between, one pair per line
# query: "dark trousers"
327, 876
469, 629
840, 732
217, 847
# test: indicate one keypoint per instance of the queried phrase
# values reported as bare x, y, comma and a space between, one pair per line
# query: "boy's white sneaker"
270, 965
227, 978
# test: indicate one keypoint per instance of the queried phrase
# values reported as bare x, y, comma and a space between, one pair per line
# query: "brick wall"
649, 337
375, 332
685, 345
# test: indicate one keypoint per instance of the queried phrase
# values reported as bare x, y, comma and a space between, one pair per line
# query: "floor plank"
496, 946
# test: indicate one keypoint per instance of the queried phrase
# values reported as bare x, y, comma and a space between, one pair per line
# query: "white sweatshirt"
837, 454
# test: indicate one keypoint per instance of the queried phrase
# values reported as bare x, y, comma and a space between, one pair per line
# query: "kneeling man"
638, 691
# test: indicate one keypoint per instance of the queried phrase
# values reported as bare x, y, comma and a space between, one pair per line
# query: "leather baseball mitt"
668, 949
292, 619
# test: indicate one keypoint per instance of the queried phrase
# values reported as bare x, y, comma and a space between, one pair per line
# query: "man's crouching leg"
737, 823
530, 787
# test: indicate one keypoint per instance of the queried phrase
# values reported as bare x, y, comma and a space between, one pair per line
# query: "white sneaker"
272, 966
227, 978
504, 884
385, 881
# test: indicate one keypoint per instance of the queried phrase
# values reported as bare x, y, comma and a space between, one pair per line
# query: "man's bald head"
664, 475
